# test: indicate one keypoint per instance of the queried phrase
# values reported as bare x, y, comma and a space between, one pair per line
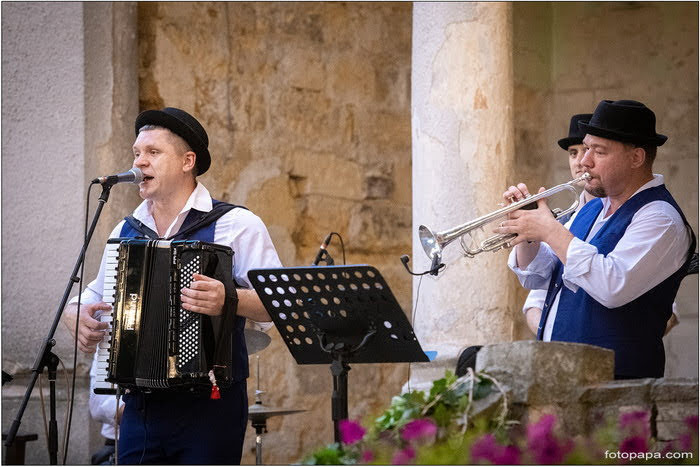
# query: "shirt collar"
199, 199
656, 181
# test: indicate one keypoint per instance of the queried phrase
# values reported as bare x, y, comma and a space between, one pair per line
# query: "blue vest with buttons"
200, 225
633, 331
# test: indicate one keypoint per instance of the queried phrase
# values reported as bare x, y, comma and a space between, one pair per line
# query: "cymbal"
262, 412
256, 341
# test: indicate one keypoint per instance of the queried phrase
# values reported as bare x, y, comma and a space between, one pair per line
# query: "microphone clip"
325, 257
435, 267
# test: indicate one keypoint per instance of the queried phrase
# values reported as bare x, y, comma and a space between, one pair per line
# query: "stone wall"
575, 383
307, 106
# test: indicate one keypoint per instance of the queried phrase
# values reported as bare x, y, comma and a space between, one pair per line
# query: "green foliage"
329, 455
448, 400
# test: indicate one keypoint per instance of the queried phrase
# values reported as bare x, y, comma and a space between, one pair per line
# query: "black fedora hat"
185, 126
626, 121
575, 133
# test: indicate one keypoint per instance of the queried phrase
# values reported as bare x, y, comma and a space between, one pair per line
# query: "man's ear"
189, 161
639, 157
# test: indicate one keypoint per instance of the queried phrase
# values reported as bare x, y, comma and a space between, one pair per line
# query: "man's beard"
598, 192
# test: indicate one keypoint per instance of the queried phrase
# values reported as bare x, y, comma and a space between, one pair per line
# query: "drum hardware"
258, 413
255, 340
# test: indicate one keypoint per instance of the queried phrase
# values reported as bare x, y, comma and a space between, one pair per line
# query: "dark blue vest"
196, 227
635, 330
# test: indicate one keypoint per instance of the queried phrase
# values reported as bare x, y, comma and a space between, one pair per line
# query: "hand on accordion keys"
204, 295
90, 329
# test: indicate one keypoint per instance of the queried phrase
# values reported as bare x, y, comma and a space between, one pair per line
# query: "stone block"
318, 174
622, 392
378, 187
677, 389
304, 69
671, 417
541, 373
605, 402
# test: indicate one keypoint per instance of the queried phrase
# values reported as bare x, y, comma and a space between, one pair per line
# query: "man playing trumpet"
612, 276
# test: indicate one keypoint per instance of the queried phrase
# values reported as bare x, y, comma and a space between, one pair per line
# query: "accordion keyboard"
108, 294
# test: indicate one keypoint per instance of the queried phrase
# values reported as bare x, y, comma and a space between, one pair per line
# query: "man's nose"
587, 160
139, 161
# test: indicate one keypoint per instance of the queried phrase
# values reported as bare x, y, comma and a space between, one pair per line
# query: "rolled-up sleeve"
538, 273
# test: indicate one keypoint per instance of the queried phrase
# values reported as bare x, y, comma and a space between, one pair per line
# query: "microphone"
322, 250
434, 267
132, 176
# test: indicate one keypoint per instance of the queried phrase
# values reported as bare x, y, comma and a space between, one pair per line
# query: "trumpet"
435, 242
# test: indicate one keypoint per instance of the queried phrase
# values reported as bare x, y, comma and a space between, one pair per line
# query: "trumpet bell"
430, 243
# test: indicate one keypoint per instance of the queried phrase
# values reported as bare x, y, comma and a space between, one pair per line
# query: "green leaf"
442, 415
439, 386
329, 455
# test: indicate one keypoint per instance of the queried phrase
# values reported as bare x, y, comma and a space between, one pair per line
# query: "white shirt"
102, 407
653, 247
239, 229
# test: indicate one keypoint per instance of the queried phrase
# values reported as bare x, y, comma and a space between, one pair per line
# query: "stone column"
462, 112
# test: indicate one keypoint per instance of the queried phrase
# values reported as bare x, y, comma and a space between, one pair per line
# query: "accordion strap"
224, 341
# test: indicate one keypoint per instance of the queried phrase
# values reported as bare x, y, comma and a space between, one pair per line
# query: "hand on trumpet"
532, 225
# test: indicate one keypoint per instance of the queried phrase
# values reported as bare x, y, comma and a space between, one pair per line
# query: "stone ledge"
634, 391
546, 372
673, 389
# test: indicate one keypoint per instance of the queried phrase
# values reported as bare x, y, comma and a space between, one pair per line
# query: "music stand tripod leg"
339, 399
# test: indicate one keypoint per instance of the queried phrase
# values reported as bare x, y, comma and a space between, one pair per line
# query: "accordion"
152, 342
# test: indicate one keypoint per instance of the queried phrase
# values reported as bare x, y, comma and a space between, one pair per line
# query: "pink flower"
636, 423
543, 443
350, 432
367, 456
486, 449
509, 456
692, 423
421, 429
404, 456
634, 444
483, 448
686, 442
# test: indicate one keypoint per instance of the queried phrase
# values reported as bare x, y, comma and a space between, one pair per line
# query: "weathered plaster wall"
568, 56
42, 196
69, 95
307, 106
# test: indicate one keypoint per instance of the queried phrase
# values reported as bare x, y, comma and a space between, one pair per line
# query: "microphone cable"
342, 245
433, 271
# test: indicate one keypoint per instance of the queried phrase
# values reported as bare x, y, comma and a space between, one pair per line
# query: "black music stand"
337, 315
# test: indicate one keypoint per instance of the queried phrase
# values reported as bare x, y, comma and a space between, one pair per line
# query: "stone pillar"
462, 111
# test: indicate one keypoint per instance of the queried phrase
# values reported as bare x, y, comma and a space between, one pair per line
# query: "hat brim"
564, 143
177, 126
657, 139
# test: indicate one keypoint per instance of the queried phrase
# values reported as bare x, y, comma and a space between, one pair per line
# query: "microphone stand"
46, 358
